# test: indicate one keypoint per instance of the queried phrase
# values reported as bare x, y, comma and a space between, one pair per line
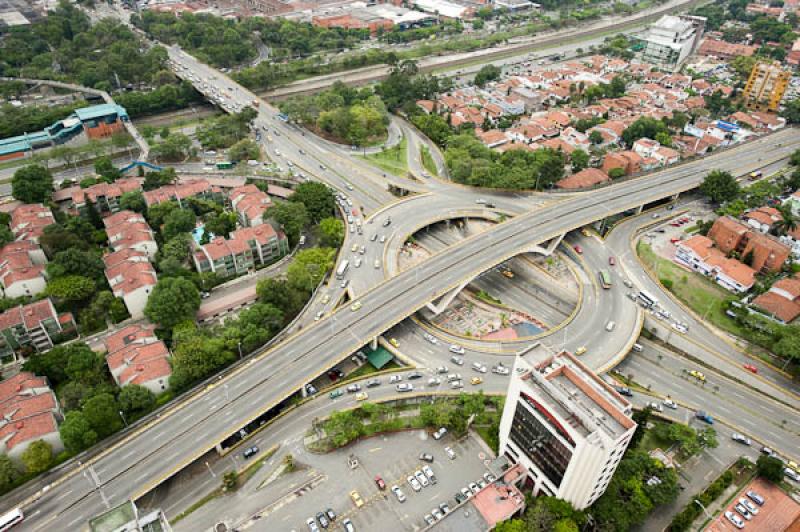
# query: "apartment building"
29, 220
129, 230
196, 188
28, 412
699, 254
240, 253
22, 269
781, 301
763, 252
672, 39
566, 426
131, 277
104, 196
136, 356
766, 86
32, 327
249, 203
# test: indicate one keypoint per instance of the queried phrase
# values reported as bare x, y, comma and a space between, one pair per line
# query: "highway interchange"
154, 452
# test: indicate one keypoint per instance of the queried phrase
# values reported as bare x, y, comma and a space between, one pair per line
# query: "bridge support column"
639, 209
374, 344
445, 300
675, 197
551, 247
303, 392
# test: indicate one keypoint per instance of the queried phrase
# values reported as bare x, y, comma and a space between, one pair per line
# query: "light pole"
700, 504
123, 418
240, 349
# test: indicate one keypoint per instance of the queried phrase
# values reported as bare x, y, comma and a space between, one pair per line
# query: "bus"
342, 269
12, 518
605, 279
647, 299
283, 117
224, 165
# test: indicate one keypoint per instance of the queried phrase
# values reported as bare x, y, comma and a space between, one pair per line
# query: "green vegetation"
29, 118
32, 184
226, 130
720, 186
427, 161
392, 160
486, 74
344, 114
770, 468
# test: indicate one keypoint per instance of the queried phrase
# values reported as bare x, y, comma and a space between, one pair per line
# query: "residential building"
699, 254
22, 269
196, 188
104, 196
246, 248
672, 39
129, 230
28, 412
565, 425
725, 50
763, 252
29, 220
588, 177
32, 327
763, 218
136, 356
131, 277
765, 86
781, 301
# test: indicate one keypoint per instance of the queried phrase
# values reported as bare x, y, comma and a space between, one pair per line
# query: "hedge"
684, 520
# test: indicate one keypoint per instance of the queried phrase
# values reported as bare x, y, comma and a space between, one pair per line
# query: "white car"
734, 519
480, 368
415, 485
474, 488
749, 505
420, 476
401, 497
395, 378
434, 381
501, 370
457, 349
743, 512
669, 403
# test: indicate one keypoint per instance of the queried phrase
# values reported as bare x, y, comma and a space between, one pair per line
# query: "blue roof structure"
99, 111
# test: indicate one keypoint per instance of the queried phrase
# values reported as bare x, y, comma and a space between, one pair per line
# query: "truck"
342, 269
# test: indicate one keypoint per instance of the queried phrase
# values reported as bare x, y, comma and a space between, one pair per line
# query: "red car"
674, 240
684, 220
379, 481
750, 367
578, 249
675, 224
612, 261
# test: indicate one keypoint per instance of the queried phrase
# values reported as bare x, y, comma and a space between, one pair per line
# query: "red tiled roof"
29, 220
180, 191
26, 409
789, 285
585, 178
780, 307
30, 315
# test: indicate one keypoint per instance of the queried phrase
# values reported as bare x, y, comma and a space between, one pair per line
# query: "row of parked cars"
326, 519
745, 508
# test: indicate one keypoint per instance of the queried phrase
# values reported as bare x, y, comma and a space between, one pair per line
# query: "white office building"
672, 39
566, 426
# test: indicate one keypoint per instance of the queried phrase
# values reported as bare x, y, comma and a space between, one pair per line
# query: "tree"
72, 394
84, 365
278, 293
331, 232
221, 224
292, 217
71, 288
720, 186
173, 300
244, 150
787, 222
102, 413
38, 457
317, 198
595, 137
643, 127
32, 184
770, 468
136, 400
198, 357
791, 111
133, 201
178, 221
512, 525
309, 267
664, 139
76, 432
76, 262
6, 235
106, 169
174, 148
580, 160
176, 248
789, 345
8, 473
616, 173
486, 74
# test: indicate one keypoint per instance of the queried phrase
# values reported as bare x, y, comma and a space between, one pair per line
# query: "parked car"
439, 434
380, 482
323, 520
331, 514
357, 500
401, 497
450, 453
415, 485
755, 497
734, 519
348, 526
743, 512
752, 508
250, 452
426, 457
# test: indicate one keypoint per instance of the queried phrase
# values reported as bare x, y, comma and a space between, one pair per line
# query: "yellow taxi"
357, 500
362, 396
355, 306
476, 380
581, 350
697, 375
394, 342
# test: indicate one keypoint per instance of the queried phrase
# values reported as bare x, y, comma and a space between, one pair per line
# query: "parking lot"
394, 457
778, 512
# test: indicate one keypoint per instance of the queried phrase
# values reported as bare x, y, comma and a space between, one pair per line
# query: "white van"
610, 326
638, 348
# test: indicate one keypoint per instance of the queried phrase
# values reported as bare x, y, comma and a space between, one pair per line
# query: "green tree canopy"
770, 468
8, 473
178, 221
720, 186
309, 267
102, 413
133, 201
643, 127
198, 357
292, 217
317, 198
76, 432
486, 74
71, 288
32, 184
244, 150
173, 300
579, 159
331, 231
136, 400
38, 457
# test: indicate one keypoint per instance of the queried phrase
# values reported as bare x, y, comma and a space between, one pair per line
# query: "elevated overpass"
156, 451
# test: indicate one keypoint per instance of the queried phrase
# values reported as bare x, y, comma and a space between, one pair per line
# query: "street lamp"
700, 504
240, 349
123, 418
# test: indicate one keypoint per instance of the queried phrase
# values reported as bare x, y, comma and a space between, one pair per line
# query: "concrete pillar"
551, 247
303, 392
374, 344
675, 197
639, 209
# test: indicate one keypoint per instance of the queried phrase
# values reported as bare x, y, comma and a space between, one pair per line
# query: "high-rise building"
672, 39
765, 86
565, 425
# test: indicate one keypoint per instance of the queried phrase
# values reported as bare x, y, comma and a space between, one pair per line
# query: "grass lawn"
392, 160
694, 290
427, 161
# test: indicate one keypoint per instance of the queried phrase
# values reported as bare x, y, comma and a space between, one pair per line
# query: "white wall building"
565, 425
672, 39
